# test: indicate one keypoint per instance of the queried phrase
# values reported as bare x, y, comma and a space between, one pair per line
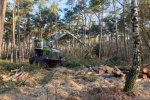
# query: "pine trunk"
100, 37
116, 26
13, 32
124, 27
0, 25
3, 4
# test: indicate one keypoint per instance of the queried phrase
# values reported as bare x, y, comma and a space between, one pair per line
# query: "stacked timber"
145, 72
15, 75
102, 70
119, 72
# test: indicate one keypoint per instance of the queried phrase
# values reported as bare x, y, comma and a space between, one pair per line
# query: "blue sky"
62, 4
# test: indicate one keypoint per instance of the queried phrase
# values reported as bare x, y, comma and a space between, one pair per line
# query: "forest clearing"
62, 83
74, 49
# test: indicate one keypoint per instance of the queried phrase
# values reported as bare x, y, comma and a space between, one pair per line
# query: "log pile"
119, 72
14, 75
145, 72
116, 72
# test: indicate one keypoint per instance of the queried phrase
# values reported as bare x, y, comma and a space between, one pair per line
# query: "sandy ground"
67, 84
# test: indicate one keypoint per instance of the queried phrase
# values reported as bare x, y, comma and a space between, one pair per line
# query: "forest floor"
62, 83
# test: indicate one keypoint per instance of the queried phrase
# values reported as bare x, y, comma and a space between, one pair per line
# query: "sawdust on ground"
70, 84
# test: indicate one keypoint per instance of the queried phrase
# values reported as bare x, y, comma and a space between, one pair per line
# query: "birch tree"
135, 69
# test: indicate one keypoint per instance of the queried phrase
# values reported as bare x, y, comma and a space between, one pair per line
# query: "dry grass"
68, 84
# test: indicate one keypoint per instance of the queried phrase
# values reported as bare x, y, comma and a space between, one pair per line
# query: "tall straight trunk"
90, 24
136, 64
28, 34
3, 4
77, 32
2, 49
13, 32
83, 27
124, 31
19, 42
114, 5
7, 49
11, 53
99, 16
83, 33
3, 14
129, 35
111, 49
6, 39
85, 19
23, 52
4, 52
29, 47
1, 35
100, 35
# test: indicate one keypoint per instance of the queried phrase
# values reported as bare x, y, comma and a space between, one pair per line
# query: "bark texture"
0, 24
3, 4
13, 32
134, 71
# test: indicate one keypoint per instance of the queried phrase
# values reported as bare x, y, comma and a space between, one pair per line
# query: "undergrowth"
9, 86
72, 62
49, 77
117, 60
6, 66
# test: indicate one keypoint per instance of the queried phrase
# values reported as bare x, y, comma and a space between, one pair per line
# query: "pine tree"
3, 4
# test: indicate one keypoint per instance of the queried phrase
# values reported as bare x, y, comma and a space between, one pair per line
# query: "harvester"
46, 55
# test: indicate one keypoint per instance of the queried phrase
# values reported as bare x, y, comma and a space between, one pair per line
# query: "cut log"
18, 74
101, 72
106, 69
24, 76
117, 69
14, 71
96, 69
21, 74
145, 76
117, 72
145, 70
109, 70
